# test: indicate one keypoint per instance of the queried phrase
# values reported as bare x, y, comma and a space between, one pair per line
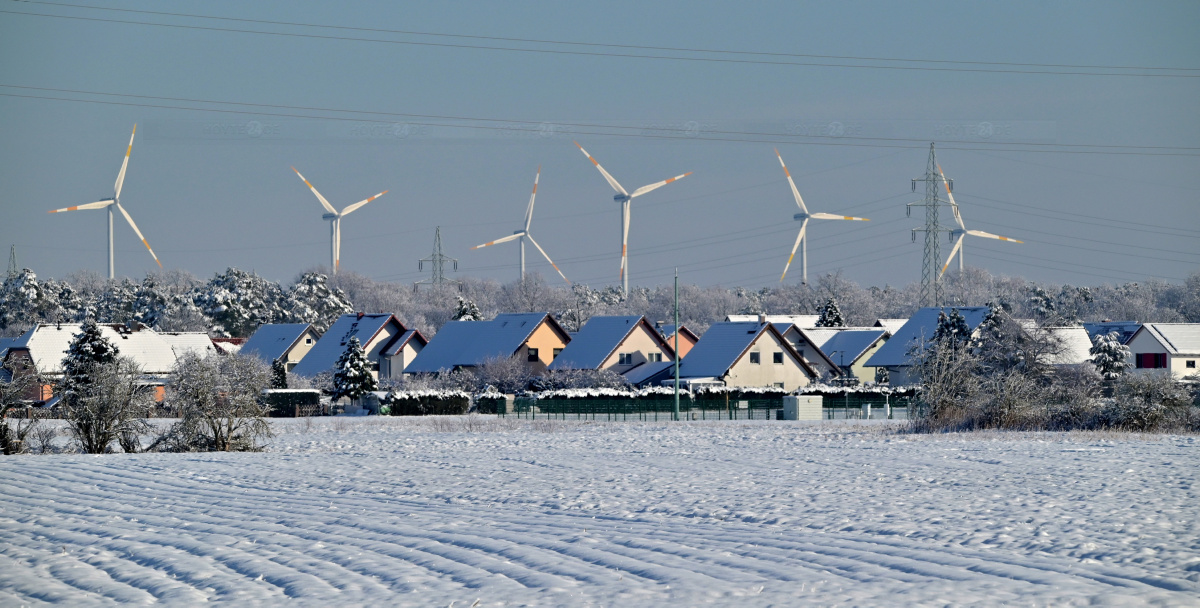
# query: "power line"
508, 122
1124, 223
1054, 72
611, 45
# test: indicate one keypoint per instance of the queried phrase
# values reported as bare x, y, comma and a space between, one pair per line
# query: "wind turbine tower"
803, 217
335, 222
524, 234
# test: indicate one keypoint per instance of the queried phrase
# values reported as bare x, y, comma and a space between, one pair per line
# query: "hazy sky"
1098, 174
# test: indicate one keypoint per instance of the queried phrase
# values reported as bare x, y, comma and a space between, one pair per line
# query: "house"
1075, 345
1124, 329
809, 350
895, 354
375, 332
1174, 347
891, 325
400, 352
535, 338
41, 350
287, 342
801, 321
745, 354
687, 338
852, 347
617, 343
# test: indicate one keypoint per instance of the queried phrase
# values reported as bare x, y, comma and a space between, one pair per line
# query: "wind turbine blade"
324, 202
350, 208
799, 237
529, 211
988, 235
953, 252
95, 205
138, 233
498, 241
611, 180
795, 192
657, 185
833, 216
124, 164
543, 251
953, 205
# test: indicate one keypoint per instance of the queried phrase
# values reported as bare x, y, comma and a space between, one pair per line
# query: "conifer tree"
88, 351
466, 310
1110, 357
831, 315
279, 374
952, 327
352, 374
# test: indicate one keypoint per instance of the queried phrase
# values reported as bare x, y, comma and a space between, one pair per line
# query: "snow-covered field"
488, 512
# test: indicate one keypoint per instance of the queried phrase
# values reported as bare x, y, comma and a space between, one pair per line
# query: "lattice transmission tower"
437, 263
12, 262
931, 284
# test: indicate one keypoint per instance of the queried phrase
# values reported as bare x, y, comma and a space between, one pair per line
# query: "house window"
1151, 360
657, 358
777, 358
308, 340
755, 358
1191, 364
556, 353
375, 366
625, 359
533, 354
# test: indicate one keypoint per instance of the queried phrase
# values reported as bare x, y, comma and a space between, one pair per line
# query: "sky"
1096, 169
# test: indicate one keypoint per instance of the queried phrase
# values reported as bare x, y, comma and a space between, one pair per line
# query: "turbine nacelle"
329, 216
800, 217
620, 198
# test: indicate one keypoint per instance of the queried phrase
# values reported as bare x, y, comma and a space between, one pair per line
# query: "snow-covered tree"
312, 300
112, 409
1110, 357
88, 351
952, 327
239, 301
24, 301
831, 315
217, 399
352, 374
466, 310
279, 375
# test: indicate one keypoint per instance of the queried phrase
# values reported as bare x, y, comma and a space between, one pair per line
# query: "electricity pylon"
437, 263
931, 284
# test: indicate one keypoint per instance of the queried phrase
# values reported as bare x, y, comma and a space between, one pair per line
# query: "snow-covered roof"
891, 325
846, 346
820, 335
1178, 338
1076, 345
398, 343
196, 342
723, 344
647, 371
917, 332
801, 321
1124, 329
598, 339
329, 348
668, 330
273, 340
470, 343
48, 344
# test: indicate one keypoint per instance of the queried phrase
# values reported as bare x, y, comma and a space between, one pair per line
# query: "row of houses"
785, 351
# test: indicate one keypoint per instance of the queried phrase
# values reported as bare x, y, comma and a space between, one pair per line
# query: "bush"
218, 399
1150, 400
290, 403
426, 403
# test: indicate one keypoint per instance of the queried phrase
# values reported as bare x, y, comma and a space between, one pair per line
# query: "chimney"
360, 316
762, 319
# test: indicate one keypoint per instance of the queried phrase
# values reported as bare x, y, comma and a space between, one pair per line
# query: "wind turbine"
110, 203
335, 221
524, 234
625, 198
803, 218
961, 232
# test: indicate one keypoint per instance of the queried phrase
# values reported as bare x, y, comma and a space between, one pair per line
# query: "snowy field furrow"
432, 511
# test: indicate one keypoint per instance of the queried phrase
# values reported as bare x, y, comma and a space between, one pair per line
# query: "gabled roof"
48, 344
1124, 329
1177, 338
724, 344
470, 343
647, 371
784, 328
845, 347
596, 341
190, 341
821, 335
801, 321
667, 331
4, 344
397, 344
917, 332
329, 348
1076, 345
274, 340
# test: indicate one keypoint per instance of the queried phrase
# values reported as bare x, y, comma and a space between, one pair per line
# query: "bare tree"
113, 409
18, 385
219, 405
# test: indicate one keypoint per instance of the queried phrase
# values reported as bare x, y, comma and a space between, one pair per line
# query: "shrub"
427, 403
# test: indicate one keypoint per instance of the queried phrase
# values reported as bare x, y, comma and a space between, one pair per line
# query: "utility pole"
677, 344
437, 263
931, 284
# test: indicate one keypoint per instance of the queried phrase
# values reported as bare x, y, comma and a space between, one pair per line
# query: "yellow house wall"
859, 369
545, 340
641, 344
767, 373
375, 346
300, 349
